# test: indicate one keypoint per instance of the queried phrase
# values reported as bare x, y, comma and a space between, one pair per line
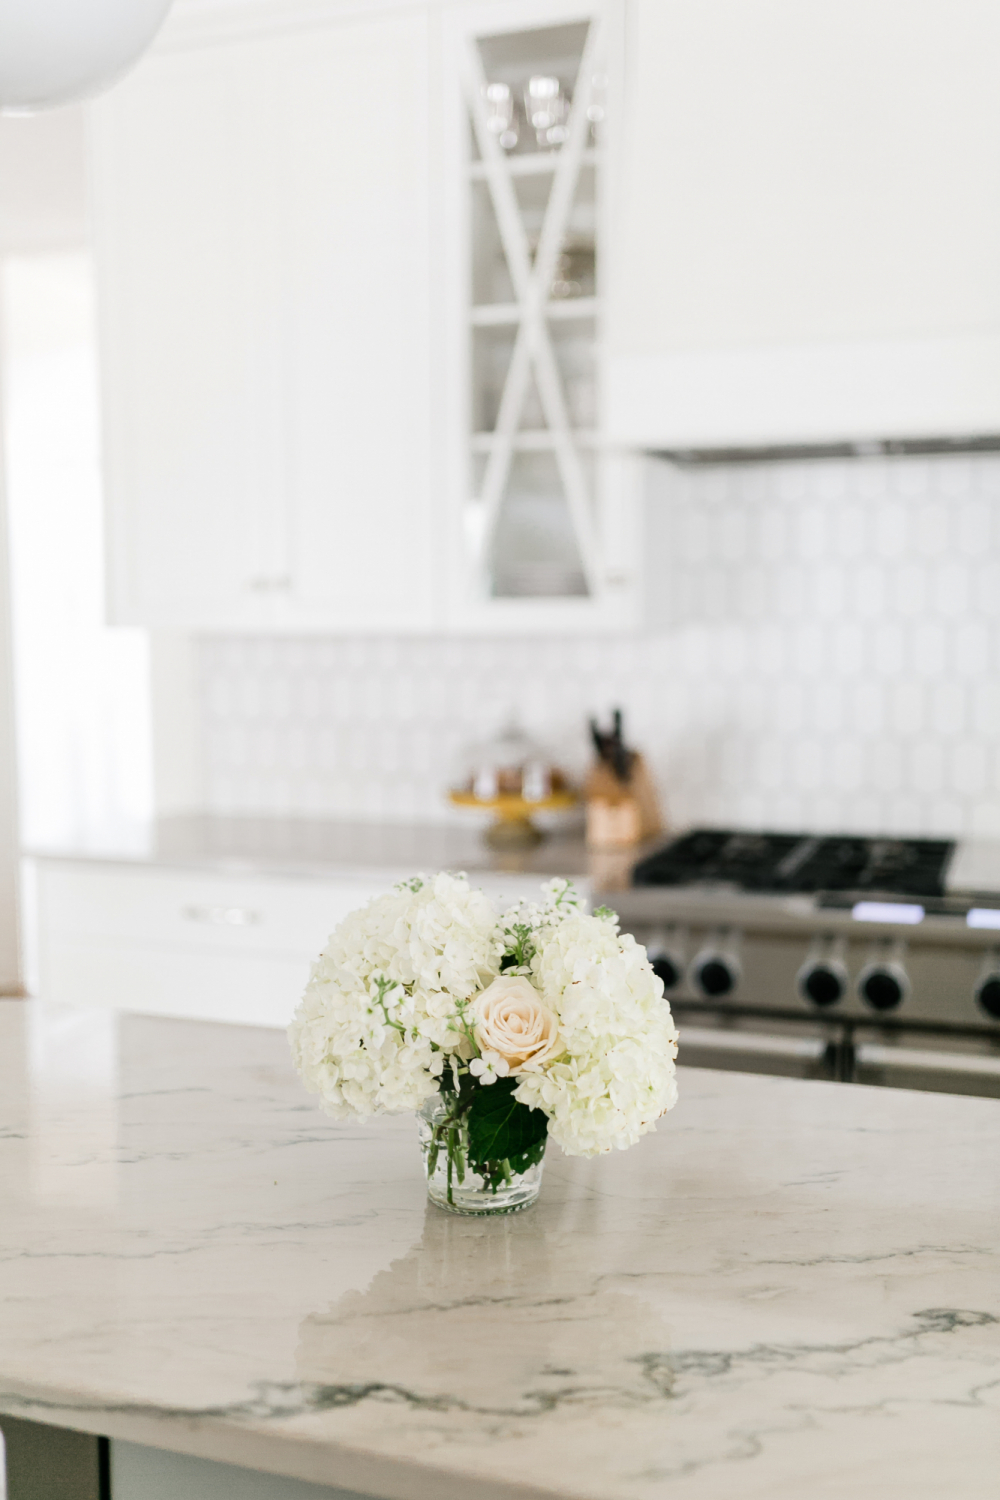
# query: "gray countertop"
792, 1289
312, 846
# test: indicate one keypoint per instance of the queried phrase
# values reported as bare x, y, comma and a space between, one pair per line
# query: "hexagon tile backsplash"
834, 664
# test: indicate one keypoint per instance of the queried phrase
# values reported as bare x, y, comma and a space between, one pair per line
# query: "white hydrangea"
387, 986
559, 901
615, 1076
389, 1006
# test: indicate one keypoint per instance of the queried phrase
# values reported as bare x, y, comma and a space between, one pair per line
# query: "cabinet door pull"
222, 916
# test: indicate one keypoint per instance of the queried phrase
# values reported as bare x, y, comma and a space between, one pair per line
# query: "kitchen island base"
52, 1463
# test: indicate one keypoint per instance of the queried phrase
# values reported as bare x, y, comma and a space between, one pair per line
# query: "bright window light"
82, 695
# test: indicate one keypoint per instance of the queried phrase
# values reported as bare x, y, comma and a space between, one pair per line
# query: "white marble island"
791, 1290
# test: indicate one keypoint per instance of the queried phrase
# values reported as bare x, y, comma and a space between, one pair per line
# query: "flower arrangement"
501, 1030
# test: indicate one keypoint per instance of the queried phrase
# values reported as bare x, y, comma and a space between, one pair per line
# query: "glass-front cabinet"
542, 523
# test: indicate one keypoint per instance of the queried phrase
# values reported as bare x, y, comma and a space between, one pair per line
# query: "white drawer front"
223, 913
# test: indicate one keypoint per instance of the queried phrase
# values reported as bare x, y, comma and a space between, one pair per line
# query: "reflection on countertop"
315, 846
790, 1289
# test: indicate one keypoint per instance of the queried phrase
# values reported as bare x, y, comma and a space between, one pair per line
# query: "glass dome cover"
511, 764
513, 776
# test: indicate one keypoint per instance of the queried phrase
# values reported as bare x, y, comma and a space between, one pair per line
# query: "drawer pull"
721, 1039
222, 916
265, 583
871, 1055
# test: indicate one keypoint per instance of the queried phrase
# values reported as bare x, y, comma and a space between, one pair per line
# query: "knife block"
621, 813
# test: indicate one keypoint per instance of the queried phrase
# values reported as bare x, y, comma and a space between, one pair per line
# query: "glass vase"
456, 1186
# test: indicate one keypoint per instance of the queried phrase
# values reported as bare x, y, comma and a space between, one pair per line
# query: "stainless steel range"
870, 960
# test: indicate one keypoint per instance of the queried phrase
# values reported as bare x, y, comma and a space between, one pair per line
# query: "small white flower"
436, 1065
489, 1067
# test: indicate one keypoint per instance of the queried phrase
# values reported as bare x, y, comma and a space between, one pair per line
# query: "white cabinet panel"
356, 207
192, 435
185, 943
809, 222
259, 991
261, 220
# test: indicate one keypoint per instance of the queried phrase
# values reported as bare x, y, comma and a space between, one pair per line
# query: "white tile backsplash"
834, 664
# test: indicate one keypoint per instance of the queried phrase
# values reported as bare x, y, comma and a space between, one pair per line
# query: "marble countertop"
791, 1290
317, 846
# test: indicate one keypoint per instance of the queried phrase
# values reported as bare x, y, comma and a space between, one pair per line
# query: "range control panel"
883, 976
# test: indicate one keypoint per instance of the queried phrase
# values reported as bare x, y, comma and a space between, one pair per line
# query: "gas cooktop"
872, 959
799, 862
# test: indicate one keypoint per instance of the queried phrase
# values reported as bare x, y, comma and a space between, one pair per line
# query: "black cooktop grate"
799, 862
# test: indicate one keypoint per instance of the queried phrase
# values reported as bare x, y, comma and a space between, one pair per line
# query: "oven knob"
666, 957
988, 995
714, 974
883, 985
823, 982
668, 967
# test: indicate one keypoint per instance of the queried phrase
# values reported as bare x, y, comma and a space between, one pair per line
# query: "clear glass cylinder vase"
452, 1183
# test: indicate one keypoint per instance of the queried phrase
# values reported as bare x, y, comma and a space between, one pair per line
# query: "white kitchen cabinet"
199, 944
545, 522
297, 391
807, 240
261, 216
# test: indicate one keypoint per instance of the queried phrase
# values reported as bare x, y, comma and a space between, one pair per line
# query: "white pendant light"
53, 51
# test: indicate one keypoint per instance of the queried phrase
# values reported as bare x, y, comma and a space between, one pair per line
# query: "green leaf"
500, 1128
529, 1158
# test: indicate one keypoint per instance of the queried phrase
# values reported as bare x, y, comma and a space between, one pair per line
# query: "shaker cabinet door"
355, 208
807, 239
261, 225
191, 430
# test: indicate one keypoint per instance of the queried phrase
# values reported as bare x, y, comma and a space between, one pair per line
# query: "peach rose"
512, 1022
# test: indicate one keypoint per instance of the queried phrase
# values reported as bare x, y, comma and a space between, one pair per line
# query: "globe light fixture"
55, 51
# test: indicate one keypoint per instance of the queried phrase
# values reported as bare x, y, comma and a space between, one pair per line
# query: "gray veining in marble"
791, 1290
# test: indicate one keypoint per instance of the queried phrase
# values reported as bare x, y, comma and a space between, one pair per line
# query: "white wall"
10, 937
81, 689
42, 208
834, 665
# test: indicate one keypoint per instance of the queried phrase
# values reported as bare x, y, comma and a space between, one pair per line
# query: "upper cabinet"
807, 241
262, 220
352, 301
542, 510
390, 301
